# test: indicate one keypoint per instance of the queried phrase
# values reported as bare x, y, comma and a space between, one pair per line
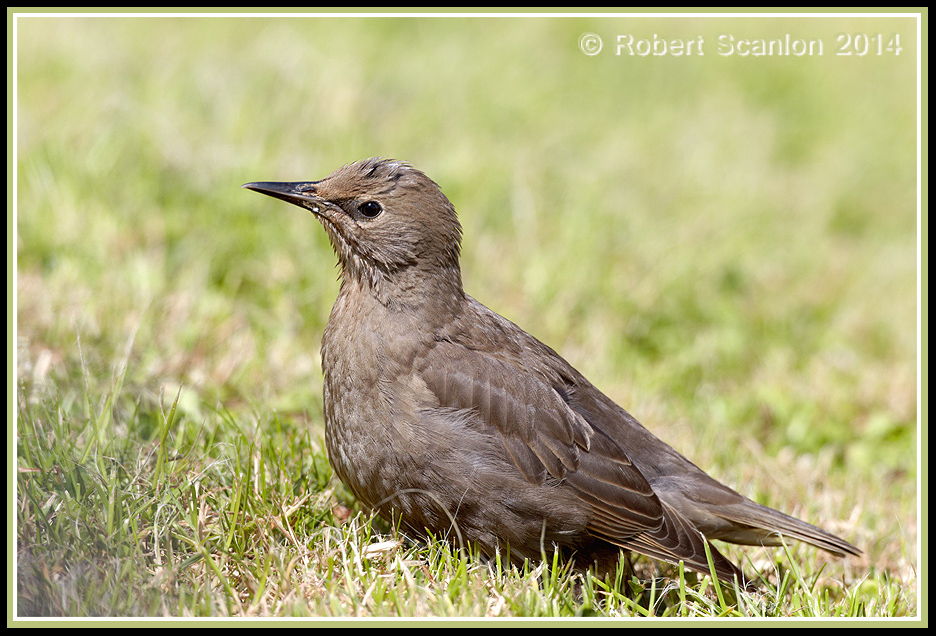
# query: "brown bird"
447, 416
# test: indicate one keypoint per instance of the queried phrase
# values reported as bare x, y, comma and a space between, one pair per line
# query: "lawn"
726, 245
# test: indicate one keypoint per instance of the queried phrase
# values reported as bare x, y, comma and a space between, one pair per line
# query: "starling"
448, 417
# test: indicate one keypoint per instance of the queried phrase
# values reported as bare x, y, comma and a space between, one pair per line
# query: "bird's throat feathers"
406, 287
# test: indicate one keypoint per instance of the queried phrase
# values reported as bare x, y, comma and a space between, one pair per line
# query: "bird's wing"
544, 437
541, 433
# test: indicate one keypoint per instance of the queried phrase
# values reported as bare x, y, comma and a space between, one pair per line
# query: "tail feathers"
750, 523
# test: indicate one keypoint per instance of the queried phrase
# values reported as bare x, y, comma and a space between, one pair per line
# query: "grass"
244, 521
725, 246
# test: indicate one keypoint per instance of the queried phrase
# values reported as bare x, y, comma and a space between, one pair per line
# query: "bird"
451, 420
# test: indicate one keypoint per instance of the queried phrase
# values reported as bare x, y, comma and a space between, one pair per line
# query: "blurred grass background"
725, 245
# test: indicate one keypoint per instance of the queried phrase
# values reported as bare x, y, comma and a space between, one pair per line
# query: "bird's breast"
371, 407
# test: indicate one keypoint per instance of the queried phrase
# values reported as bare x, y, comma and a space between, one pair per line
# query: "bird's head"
390, 225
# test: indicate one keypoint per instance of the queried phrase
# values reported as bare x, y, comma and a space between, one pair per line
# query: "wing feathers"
548, 430
543, 436
521, 407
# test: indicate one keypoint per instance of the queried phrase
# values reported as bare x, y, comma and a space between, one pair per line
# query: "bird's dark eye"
370, 209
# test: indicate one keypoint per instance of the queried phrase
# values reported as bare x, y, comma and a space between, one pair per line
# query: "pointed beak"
299, 193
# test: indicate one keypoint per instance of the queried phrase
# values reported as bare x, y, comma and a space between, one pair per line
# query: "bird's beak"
300, 193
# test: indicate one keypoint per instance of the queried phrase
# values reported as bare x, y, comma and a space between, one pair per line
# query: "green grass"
726, 246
